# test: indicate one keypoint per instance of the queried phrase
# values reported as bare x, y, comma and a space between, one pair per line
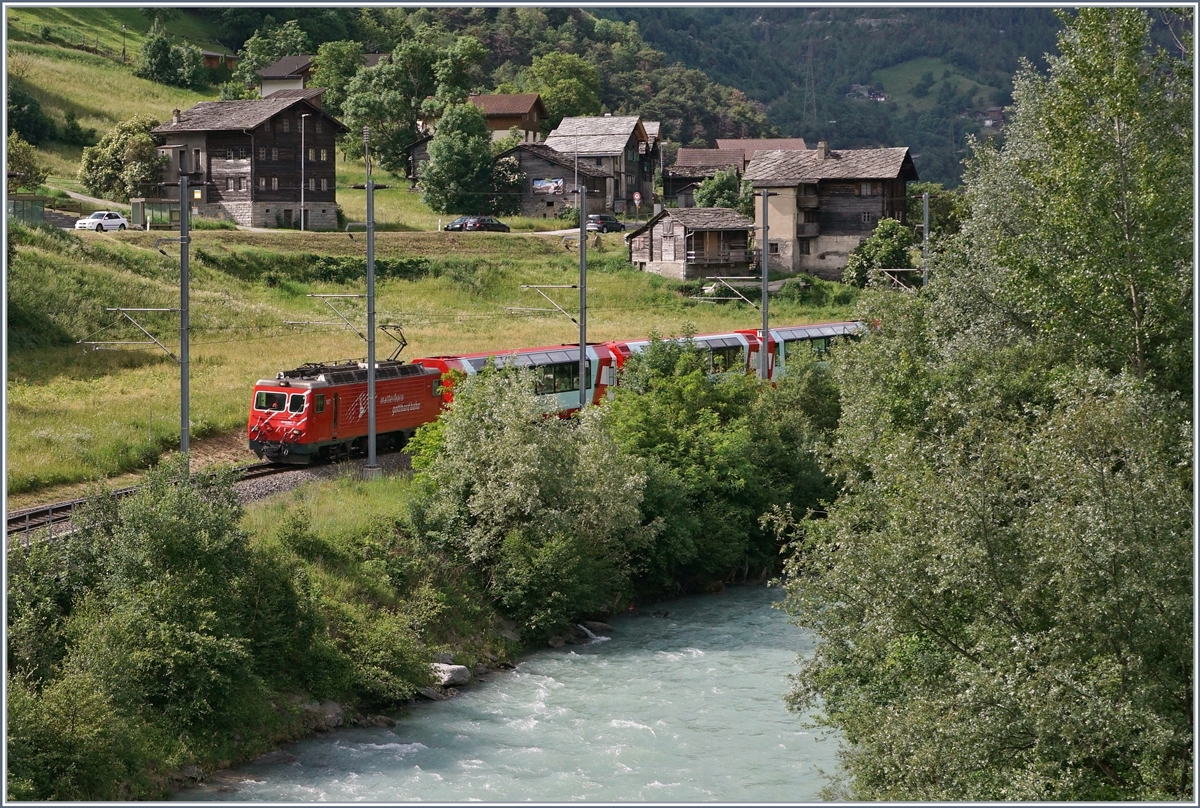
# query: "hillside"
803, 63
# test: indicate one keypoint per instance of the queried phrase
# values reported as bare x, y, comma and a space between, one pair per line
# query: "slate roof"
508, 104
794, 167
749, 145
653, 130
700, 219
372, 59
210, 116
286, 68
600, 136
565, 160
313, 93
709, 157
696, 171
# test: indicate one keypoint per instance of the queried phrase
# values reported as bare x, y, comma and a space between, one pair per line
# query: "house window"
805, 246
319, 129
773, 248
868, 188
324, 153
274, 183
262, 152
668, 228
242, 152
312, 184
239, 183
262, 183
196, 164
324, 184
867, 217
312, 155
274, 154
229, 183
287, 124
639, 243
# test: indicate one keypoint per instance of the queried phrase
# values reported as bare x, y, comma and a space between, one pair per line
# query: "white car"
102, 220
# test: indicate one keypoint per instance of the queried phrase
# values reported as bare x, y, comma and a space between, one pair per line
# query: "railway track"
24, 524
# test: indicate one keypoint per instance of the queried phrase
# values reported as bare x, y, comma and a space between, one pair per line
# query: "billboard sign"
548, 186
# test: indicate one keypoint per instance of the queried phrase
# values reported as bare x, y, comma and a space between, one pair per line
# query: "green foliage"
722, 190
273, 268
125, 163
334, 65
458, 176
25, 115
180, 65
887, 248
75, 135
268, 45
546, 510
569, 87
947, 209
24, 163
999, 591
1086, 211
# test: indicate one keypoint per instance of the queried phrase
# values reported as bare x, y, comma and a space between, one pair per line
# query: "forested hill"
936, 68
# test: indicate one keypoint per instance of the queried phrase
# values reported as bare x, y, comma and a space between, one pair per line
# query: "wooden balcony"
719, 257
807, 202
808, 230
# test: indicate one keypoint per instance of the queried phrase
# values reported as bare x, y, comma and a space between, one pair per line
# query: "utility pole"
372, 469
925, 240
766, 261
582, 296
303, 162
184, 240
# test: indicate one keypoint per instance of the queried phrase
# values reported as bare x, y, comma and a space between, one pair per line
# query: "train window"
297, 403
320, 402
820, 346
269, 401
727, 359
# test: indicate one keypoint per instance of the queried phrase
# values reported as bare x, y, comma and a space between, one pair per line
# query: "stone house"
690, 243
825, 203
248, 160
620, 146
550, 180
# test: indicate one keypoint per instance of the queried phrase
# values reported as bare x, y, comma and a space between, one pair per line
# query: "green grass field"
898, 81
76, 415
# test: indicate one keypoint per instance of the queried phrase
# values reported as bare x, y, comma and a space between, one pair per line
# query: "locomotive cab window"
269, 402
296, 404
320, 402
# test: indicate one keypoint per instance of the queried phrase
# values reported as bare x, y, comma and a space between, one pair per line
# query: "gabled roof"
749, 145
709, 157
653, 131
289, 67
509, 104
372, 59
313, 93
790, 168
700, 219
210, 116
696, 172
567, 161
599, 136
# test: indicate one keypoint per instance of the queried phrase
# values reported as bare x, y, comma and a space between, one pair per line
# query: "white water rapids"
682, 704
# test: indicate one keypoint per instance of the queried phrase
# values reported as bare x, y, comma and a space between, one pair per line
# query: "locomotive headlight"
296, 433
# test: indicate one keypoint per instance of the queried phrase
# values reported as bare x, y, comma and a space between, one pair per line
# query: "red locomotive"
319, 411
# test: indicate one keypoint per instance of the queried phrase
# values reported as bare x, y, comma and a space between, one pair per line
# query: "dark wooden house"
249, 160
690, 243
693, 166
524, 111
825, 203
621, 146
549, 184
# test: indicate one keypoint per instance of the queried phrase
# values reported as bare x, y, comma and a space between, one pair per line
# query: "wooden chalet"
525, 111
691, 243
293, 72
550, 180
825, 202
245, 162
620, 146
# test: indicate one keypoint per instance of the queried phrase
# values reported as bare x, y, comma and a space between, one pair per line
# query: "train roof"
816, 331
347, 372
524, 358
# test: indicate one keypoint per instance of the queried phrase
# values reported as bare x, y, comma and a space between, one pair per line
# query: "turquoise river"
682, 702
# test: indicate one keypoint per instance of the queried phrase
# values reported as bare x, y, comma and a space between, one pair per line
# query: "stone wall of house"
675, 270
827, 256
321, 215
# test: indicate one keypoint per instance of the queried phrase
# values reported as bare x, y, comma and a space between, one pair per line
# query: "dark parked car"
604, 222
485, 223
457, 224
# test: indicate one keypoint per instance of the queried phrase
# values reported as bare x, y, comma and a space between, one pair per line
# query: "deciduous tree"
24, 163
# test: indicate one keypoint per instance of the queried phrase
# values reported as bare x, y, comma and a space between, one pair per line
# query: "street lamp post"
303, 161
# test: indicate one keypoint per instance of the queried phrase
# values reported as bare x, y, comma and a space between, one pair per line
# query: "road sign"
637, 198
